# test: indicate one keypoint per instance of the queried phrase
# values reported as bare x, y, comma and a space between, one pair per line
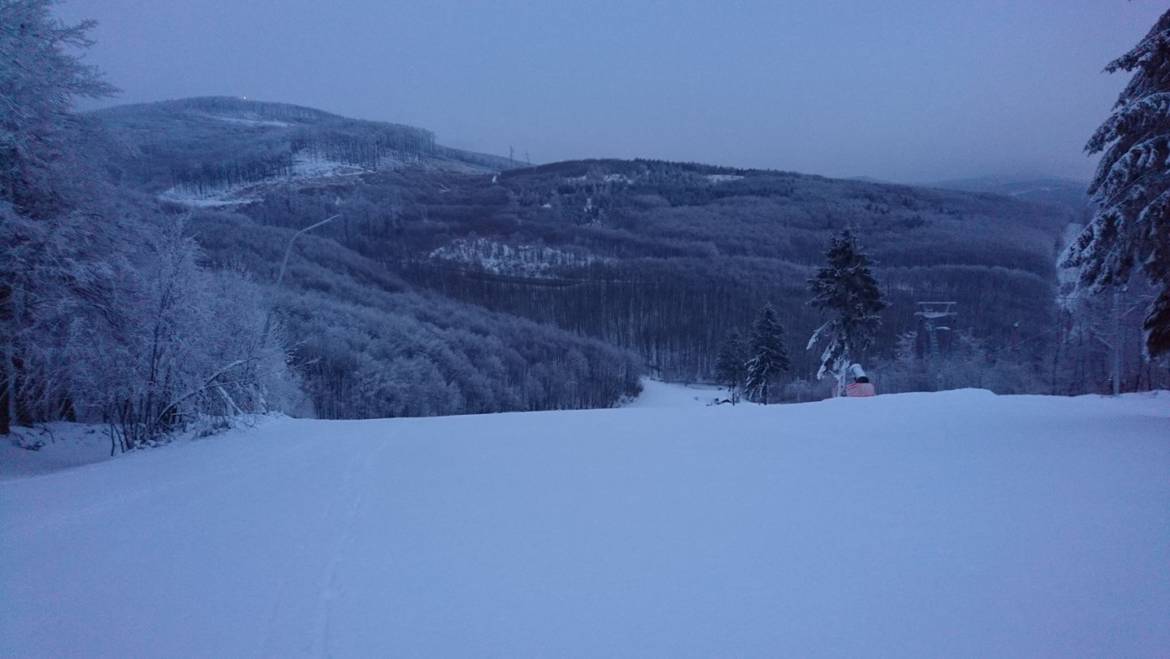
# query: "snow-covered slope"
658, 394
956, 524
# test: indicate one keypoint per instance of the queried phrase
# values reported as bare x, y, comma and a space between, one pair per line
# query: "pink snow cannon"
861, 387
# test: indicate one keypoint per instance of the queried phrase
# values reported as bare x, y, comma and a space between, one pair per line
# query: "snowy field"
957, 524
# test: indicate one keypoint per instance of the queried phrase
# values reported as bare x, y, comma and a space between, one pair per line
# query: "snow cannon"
860, 387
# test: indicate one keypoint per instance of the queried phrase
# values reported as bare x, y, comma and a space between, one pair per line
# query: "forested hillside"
1068, 194
211, 150
128, 308
678, 254
364, 342
659, 257
368, 345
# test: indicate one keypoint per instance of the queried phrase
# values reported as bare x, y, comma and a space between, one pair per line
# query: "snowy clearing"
533, 261
305, 167
657, 394
308, 165
957, 524
226, 195
245, 121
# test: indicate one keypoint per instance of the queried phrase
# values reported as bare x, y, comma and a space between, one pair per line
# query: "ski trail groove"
293, 562
357, 482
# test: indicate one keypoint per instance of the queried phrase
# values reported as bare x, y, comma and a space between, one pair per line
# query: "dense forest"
367, 344
664, 258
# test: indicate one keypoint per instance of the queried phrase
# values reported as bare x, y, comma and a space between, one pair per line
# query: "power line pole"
935, 317
284, 267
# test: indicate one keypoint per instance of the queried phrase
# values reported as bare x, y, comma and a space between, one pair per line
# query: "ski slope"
956, 524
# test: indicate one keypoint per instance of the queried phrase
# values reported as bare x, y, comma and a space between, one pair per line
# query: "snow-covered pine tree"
767, 356
1132, 186
846, 289
731, 364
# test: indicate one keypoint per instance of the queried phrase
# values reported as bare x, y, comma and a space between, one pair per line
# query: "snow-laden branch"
816, 335
211, 382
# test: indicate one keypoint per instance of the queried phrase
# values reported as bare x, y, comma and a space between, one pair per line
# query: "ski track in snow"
958, 524
355, 489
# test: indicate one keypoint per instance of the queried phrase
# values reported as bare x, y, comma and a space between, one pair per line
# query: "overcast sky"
905, 90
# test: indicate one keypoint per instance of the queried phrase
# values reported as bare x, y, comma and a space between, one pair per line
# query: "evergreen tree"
846, 289
767, 356
731, 364
1132, 186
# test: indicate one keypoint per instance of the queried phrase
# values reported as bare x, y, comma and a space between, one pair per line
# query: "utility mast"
935, 318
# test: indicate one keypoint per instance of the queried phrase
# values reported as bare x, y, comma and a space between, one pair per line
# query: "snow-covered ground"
308, 165
657, 394
57, 446
956, 524
305, 167
245, 120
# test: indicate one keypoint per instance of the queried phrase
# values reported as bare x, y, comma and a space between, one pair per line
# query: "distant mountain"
214, 151
668, 256
660, 258
1066, 193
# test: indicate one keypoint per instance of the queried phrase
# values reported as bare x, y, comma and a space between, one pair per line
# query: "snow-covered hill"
957, 524
220, 151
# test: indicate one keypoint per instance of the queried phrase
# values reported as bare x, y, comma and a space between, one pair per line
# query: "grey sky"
909, 90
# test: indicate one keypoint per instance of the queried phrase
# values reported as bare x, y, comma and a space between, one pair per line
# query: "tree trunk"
1116, 341
8, 393
7, 411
